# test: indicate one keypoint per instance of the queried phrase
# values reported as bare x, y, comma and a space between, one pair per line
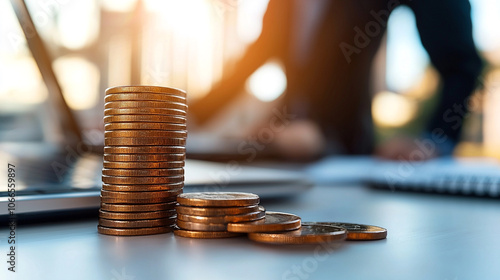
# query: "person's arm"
266, 46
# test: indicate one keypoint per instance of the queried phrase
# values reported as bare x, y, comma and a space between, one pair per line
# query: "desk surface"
429, 237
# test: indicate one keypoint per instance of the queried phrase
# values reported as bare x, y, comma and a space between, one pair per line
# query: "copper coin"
136, 223
145, 150
205, 234
201, 227
143, 172
133, 231
143, 97
145, 89
122, 180
144, 111
273, 221
136, 215
143, 164
145, 133
223, 219
214, 212
359, 231
218, 199
154, 200
309, 233
144, 126
145, 118
145, 104
144, 141
144, 157
142, 188
138, 207
140, 195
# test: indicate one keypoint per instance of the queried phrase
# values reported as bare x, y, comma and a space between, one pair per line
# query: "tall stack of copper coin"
145, 137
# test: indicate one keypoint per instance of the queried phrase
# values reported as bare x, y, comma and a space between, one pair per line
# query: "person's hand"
404, 148
301, 140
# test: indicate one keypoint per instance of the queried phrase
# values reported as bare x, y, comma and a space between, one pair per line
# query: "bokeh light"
268, 82
79, 80
390, 109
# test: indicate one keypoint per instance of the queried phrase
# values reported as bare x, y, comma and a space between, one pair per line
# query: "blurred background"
190, 44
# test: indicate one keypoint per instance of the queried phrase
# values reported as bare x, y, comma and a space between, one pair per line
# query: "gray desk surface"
430, 237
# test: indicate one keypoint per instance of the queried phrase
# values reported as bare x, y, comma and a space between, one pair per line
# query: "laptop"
456, 176
52, 177
478, 177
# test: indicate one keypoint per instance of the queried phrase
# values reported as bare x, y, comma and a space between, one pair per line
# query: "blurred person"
327, 49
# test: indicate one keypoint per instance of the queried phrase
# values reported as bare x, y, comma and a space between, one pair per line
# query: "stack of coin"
207, 215
145, 136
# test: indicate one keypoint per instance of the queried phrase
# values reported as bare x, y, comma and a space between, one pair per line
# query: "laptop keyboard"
466, 177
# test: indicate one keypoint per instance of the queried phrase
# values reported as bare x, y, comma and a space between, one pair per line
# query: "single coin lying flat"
145, 118
205, 234
149, 200
143, 164
143, 188
145, 89
254, 216
132, 231
145, 104
272, 222
145, 150
145, 111
218, 199
359, 231
136, 215
131, 208
144, 157
200, 226
140, 195
309, 233
141, 180
217, 211
145, 126
144, 141
143, 97
150, 172
137, 223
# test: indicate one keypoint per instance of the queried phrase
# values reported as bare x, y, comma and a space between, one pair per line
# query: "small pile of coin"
207, 215
226, 214
145, 136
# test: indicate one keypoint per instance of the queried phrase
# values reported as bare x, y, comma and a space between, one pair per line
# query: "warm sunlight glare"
118, 5
190, 18
79, 80
268, 82
20, 82
75, 30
